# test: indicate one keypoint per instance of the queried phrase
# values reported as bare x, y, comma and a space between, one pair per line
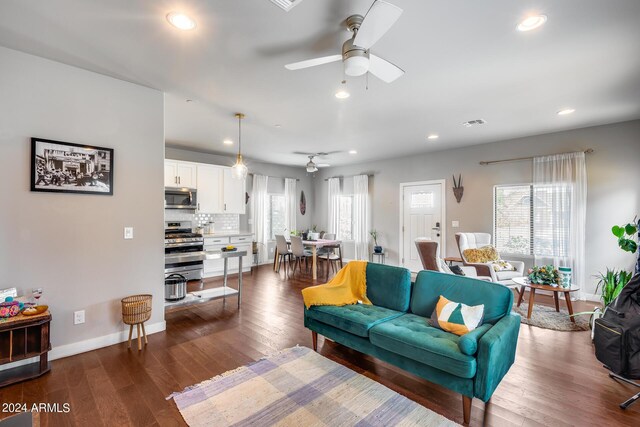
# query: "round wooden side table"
523, 282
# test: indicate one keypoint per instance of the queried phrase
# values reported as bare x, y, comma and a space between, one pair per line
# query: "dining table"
314, 245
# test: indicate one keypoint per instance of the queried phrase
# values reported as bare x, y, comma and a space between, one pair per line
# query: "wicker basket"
136, 309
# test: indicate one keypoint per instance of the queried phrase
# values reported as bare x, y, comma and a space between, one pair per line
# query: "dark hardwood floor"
556, 379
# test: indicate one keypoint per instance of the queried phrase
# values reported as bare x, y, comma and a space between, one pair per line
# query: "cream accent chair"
477, 240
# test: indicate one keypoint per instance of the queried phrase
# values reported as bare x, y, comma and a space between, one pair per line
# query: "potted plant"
313, 233
376, 248
611, 283
544, 275
625, 234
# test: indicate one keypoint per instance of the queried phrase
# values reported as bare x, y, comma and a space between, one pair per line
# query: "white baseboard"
591, 297
66, 350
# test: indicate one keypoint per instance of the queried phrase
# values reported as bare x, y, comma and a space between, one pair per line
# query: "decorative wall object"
303, 203
458, 189
63, 167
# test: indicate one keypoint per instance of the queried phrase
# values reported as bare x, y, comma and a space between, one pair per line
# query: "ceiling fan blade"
383, 69
313, 62
378, 20
323, 165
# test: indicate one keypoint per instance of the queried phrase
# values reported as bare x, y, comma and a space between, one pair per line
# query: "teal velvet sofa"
395, 329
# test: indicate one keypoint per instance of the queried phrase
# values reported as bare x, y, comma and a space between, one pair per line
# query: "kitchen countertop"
229, 234
202, 256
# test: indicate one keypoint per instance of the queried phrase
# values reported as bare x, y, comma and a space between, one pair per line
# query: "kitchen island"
210, 294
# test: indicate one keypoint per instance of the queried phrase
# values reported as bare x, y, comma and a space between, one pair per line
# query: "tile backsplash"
223, 222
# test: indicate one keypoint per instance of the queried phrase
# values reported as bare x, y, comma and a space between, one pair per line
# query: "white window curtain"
560, 210
361, 216
290, 204
259, 214
333, 215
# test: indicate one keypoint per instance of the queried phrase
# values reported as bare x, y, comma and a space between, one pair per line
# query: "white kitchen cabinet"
210, 188
179, 174
170, 173
215, 267
233, 194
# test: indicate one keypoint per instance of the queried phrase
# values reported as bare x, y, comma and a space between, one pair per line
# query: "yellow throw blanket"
347, 287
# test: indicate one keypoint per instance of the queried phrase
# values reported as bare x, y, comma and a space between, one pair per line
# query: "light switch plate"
455, 224
128, 232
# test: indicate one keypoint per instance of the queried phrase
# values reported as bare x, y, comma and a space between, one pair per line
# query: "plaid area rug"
548, 318
299, 387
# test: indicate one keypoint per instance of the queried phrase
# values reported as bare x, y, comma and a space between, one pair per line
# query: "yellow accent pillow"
480, 255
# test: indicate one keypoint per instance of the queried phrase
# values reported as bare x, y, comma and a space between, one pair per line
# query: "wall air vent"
476, 122
286, 5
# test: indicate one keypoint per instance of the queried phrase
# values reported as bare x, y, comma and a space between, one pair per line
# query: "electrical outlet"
78, 317
272, 250
455, 224
128, 233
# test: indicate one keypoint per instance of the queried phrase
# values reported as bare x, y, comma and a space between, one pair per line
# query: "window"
275, 215
345, 218
423, 199
532, 219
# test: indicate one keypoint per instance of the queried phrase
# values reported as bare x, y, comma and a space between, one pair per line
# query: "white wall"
613, 177
72, 245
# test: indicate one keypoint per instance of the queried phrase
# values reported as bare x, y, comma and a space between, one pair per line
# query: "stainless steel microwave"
180, 198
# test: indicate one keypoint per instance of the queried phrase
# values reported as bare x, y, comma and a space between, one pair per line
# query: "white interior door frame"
443, 208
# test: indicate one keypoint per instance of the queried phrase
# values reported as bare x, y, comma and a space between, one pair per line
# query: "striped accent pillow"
456, 317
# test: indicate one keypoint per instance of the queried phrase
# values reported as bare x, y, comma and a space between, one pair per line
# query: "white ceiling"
463, 61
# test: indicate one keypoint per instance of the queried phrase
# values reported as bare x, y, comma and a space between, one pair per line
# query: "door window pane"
422, 199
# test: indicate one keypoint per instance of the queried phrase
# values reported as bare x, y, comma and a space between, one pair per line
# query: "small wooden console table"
24, 337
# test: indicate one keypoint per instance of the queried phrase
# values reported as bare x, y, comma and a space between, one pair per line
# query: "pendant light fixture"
239, 170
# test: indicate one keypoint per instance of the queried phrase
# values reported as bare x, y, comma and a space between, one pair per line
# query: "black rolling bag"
617, 336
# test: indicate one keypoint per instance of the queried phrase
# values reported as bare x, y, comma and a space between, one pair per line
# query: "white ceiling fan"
356, 54
313, 166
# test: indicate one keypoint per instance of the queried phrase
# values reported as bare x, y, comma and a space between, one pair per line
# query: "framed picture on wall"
63, 167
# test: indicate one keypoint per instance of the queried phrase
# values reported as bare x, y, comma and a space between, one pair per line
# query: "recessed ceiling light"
189, 100
432, 136
353, 152
278, 126
566, 111
227, 142
532, 22
181, 21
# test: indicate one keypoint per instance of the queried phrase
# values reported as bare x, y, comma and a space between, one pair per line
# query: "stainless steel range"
180, 246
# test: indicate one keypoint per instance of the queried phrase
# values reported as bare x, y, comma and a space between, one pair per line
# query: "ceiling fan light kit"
356, 57
342, 92
311, 167
239, 170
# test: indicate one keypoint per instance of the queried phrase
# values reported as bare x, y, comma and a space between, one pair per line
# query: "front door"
421, 218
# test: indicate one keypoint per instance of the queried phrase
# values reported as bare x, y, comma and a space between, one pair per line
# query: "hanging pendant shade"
239, 170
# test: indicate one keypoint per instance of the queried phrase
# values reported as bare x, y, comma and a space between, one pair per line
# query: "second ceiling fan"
355, 55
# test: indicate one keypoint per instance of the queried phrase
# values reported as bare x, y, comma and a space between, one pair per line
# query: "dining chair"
299, 253
326, 236
283, 252
332, 255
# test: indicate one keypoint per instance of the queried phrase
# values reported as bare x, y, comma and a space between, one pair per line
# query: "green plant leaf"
630, 229
617, 231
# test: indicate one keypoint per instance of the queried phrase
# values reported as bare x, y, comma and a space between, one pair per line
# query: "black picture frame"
65, 167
